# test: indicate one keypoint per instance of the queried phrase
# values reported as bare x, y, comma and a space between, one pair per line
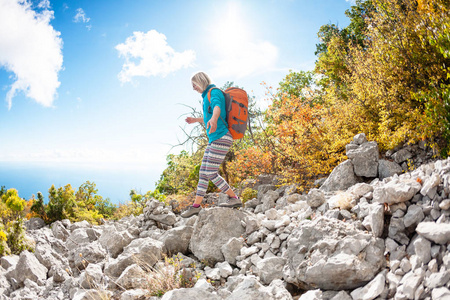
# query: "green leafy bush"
12, 230
16, 239
248, 194
4, 249
181, 174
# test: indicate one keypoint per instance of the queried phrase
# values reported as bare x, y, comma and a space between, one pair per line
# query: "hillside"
355, 237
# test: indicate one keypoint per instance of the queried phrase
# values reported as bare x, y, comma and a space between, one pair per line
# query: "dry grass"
96, 291
165, 276
168, 276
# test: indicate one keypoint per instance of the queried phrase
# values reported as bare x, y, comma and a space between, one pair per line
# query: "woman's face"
196, 88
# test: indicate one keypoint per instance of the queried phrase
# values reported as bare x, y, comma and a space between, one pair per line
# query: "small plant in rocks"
170, 275
248, 194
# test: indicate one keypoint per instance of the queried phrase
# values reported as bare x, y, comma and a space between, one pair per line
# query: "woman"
219, 142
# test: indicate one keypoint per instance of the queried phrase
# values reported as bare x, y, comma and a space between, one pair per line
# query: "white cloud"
44, 4
81, 16
148, 54
238, 53
31, 49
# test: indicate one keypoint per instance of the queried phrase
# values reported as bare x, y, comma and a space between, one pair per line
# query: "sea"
113, 181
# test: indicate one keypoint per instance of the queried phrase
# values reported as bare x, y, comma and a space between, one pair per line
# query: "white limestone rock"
91, 277
133, 277
191, 293
28, 267
214, 228
365, 159
341, 178
396, 191
438, 233
348, 257
270, 269
371, 290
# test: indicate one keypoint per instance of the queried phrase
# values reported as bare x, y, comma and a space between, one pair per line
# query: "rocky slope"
371, 231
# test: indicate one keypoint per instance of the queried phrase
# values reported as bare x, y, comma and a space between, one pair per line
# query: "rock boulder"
332, 255
214, 228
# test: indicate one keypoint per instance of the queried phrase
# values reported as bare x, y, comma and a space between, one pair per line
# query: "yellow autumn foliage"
386, 75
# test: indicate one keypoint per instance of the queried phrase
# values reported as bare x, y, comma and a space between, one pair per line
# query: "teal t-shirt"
217, 99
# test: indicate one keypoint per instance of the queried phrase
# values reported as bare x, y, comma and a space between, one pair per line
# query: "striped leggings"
212, 159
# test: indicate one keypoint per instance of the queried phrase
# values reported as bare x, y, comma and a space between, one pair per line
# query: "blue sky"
104, 81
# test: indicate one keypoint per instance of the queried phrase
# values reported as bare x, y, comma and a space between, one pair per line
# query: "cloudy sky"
107, 81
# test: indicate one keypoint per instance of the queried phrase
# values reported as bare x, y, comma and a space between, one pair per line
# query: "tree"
38, 207
294, 142
335, 44
299, 137
181, 174
87, 204
393, 84
14, 204
61, 203
64, 203
2, 191
86, 195
12, 231
352, 35
105, 207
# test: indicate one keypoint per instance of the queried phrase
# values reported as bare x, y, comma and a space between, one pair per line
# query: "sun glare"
236, 49
231, 28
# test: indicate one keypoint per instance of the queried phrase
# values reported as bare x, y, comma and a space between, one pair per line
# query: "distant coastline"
113, 181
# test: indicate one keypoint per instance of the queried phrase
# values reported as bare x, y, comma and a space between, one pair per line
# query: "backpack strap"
209, 98
209, 93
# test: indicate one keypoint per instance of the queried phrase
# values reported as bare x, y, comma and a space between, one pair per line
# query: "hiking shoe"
190, 211
232, 202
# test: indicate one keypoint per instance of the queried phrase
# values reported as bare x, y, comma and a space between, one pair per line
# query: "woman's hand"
212, 124
191, 120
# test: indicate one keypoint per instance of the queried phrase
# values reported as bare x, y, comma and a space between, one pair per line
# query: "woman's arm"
191, 120
212, 123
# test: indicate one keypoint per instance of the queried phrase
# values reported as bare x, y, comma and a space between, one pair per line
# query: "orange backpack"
236, 106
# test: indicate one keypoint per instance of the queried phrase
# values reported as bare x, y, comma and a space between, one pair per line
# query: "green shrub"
4, 249
12, 230
247, 194
17, 241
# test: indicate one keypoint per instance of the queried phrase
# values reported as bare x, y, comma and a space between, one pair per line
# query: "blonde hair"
202, 80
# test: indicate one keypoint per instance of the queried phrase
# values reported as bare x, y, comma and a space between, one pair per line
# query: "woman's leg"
203, 180
201, 188
212, 159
